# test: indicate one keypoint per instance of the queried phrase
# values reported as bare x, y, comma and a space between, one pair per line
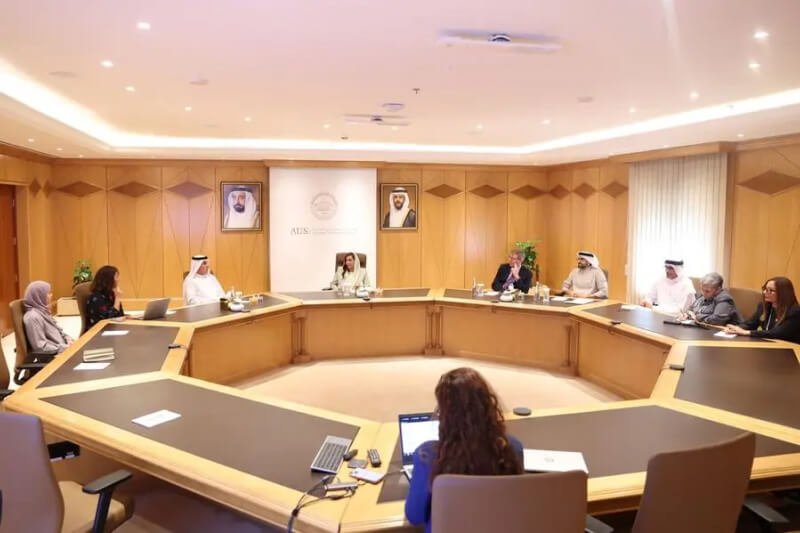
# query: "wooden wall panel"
79, 226
34, 216
612, 223
442, 225
189, 220
527, 211
486, 225
766, 216
241, 257
399, 252
135, 239
561, 257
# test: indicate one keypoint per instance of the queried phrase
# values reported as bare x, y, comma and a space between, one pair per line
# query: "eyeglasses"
767, 289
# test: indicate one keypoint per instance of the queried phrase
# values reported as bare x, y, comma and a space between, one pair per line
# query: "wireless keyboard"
329, 455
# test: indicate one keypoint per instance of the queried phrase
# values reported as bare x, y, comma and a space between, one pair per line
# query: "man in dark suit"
513, 273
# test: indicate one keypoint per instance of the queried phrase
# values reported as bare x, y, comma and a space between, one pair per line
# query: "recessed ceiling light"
31, 140
187, 108
142, 25
106, 63
395, 128
740, 135
59, 149
761, 35
694, 95
665, 146
326, 126
546, 121
80, 155
248, 119
754, 66
478, 126
631, 110
130, 88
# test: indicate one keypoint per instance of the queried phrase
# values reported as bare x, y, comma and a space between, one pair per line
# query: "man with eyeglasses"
715, 304
513, 275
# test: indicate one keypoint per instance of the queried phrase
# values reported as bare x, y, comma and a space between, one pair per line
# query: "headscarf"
197, 262
398, 216
36, 300
356, 266
676, 265
589, 256
246, 219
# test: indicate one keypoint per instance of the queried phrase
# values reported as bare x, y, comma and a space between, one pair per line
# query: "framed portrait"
399, 207
241, 205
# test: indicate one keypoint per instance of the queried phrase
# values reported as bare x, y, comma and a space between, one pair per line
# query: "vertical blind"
676, 210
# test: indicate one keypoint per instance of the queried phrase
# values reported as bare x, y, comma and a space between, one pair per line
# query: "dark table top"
466, 294
142, 349
616, 441
652, 321
759, 382
196, 313
332, 295
262, 440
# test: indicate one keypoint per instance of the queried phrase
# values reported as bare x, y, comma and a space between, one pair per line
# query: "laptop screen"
414, 430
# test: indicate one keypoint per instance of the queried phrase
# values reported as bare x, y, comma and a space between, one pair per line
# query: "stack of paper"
98, 354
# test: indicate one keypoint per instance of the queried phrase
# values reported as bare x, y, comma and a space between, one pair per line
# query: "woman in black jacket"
777, 315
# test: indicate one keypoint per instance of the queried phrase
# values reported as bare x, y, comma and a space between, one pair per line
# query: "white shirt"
202, 289
672, 295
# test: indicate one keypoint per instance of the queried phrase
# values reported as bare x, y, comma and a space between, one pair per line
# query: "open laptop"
156, 309
415, 429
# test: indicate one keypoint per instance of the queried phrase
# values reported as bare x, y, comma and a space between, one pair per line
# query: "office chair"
362, 258
746, 300
608, 282
28, 361
4, 376
554, 502
696, 284
696, 490
82, 292
35, 501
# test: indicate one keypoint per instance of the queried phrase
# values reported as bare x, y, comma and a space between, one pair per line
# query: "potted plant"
82, 272
528, 249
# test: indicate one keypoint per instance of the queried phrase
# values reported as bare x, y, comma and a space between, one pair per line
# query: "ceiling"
282, 74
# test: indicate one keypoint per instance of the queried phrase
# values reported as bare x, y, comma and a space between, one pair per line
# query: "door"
9, 269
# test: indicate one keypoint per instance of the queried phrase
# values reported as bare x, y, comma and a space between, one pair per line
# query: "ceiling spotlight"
545, 122
187, 108
631, 110
694, 95
740, 135
142, 25
31, 140
59, 149
754, 66
665, 146
130, 88
393, 107
106, 63
80, 155
478, 126
326, 126
248, 119
395, 128
761, 35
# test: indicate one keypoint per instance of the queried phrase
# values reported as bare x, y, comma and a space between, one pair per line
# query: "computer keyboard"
329, 456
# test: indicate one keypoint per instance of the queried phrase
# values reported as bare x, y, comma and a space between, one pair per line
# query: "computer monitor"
415, 429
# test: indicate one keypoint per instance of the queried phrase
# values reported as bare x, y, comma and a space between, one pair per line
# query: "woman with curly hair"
104, 300
472, 440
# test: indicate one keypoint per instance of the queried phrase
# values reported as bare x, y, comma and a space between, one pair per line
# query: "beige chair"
362, 259
553, 502
697, 490
746, 300
28, 361
34, 501
696, 284
82, 292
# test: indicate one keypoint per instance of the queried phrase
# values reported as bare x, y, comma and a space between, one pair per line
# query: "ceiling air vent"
501, 41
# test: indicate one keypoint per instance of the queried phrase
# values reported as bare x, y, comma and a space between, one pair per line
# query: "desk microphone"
616, 322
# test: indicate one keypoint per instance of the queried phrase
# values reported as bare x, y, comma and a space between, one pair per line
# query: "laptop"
156, 309
415, 429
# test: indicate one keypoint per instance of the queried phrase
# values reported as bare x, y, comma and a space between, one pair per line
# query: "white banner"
313, 214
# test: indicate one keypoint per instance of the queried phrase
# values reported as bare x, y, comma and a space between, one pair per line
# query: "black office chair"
28, 361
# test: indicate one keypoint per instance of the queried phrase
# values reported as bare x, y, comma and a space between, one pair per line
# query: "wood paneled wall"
766, 215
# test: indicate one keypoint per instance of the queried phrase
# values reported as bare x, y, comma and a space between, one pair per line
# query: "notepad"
115, 333
91, 366
154, 419
553, 461
580, 301
725, 335
629, 307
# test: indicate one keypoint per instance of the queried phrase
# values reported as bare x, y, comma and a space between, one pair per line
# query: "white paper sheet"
154, 419
553, 461
630, 307
115, 333
91, 366
725, 335
558, 298
581, 301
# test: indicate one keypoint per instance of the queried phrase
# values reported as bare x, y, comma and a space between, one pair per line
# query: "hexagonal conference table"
253, 454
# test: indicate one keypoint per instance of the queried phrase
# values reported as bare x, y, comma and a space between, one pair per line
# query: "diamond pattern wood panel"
771, 182
614, 189
134, 189
189, 189
79, 189
584, 190
528, 192
443, 191
486, 191
34, 187
47, 188
559, 191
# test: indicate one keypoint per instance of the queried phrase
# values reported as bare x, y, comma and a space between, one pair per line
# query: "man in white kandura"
242, 210
587, 280
673, 293
200, 285
400, 214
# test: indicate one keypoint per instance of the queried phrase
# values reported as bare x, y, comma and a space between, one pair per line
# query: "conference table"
252, 453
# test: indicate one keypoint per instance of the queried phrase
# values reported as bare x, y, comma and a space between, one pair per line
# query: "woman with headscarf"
43, 332
350, 273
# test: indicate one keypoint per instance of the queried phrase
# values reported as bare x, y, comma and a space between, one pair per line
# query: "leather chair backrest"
5, 377
82, 292
553, 502
696, 283
696, 490
17, 312
32, 500
746, 300
362, 258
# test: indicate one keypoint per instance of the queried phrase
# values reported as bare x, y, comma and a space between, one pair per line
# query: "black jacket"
787, 330
523, 283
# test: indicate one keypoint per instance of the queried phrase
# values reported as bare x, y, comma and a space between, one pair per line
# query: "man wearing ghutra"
400, 214
673, 293
587, 280
200, 285
243, 210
